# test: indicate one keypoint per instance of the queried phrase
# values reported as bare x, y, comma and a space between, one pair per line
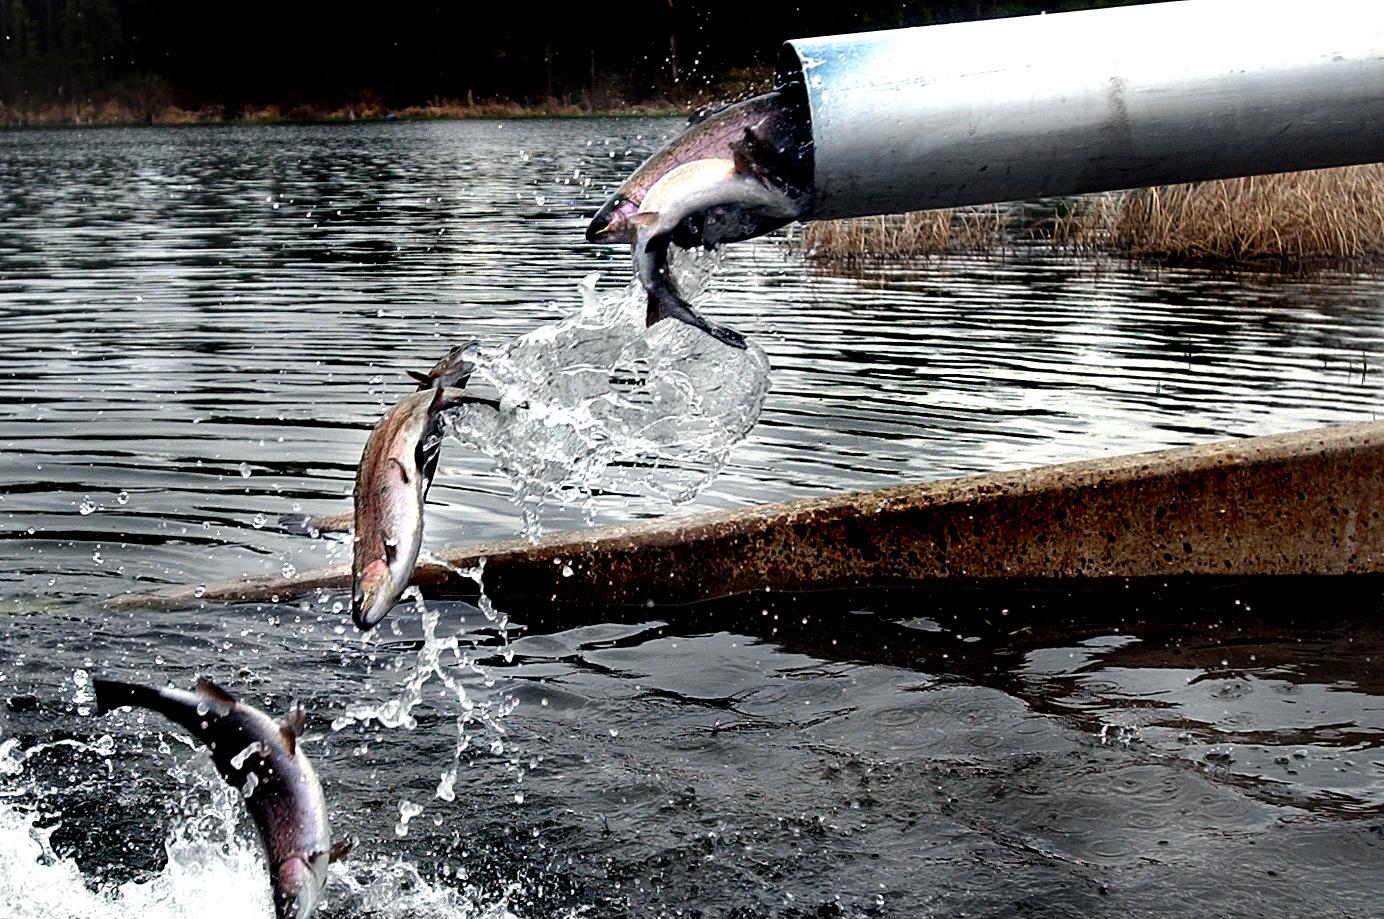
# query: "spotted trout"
392, 481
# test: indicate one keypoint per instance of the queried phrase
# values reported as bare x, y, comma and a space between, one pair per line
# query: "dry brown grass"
1297, 218
900, 236
1325, 214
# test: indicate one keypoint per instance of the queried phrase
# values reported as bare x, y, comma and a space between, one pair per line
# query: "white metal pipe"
1061, 104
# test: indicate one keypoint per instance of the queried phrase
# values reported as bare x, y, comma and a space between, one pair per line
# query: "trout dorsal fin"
213, 693
293, 725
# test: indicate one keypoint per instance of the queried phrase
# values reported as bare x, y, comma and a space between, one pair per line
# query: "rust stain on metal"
1305, 503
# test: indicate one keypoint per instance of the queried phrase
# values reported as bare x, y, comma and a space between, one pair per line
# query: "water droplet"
86, 507
445, 788
407, 811
259, 521
288, 570
566, 571
96, 557
199, 590
122, 498
244, 470
518, 797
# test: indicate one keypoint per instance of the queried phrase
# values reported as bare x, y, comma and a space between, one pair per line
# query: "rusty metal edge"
1301, 503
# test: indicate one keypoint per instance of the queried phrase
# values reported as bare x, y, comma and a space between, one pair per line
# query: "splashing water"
606, 406
201, 879
383, 887
214, 868
443, 658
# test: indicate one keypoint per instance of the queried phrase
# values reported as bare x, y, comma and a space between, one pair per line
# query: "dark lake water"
201, 326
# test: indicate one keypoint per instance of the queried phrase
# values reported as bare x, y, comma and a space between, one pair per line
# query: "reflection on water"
202, 324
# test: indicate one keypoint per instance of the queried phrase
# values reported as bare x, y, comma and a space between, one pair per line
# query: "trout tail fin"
453, 370
111, 695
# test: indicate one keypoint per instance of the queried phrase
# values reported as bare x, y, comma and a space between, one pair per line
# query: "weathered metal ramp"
1306, 503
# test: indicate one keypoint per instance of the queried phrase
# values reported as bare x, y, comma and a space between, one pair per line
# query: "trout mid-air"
733, 175
262, 758
396, 469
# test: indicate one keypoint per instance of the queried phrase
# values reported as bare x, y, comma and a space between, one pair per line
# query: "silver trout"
260, 757
391, 484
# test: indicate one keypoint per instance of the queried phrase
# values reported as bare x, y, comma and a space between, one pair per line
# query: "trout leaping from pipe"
262, 758
733, 175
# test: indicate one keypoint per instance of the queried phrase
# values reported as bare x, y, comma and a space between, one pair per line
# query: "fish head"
376, 590
297, 886
612, 221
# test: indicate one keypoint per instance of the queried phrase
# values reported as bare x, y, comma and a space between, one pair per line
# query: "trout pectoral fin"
340, 849
645, 218
305, 525
403, 471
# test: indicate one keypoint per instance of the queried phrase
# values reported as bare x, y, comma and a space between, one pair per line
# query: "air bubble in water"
86, 507
123, 498
244, 470
288, 570
259, 521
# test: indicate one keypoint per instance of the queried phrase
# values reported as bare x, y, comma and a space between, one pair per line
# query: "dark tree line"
210, 53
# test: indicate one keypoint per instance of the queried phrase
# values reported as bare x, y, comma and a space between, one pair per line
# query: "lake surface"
202, 325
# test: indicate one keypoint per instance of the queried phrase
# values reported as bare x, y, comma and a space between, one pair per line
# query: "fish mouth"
373, 596
611, 222
599, 229
295, 889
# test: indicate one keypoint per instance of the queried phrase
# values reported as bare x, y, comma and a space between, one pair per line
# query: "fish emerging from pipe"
734, 186
262, 758
392, 481
738, 173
